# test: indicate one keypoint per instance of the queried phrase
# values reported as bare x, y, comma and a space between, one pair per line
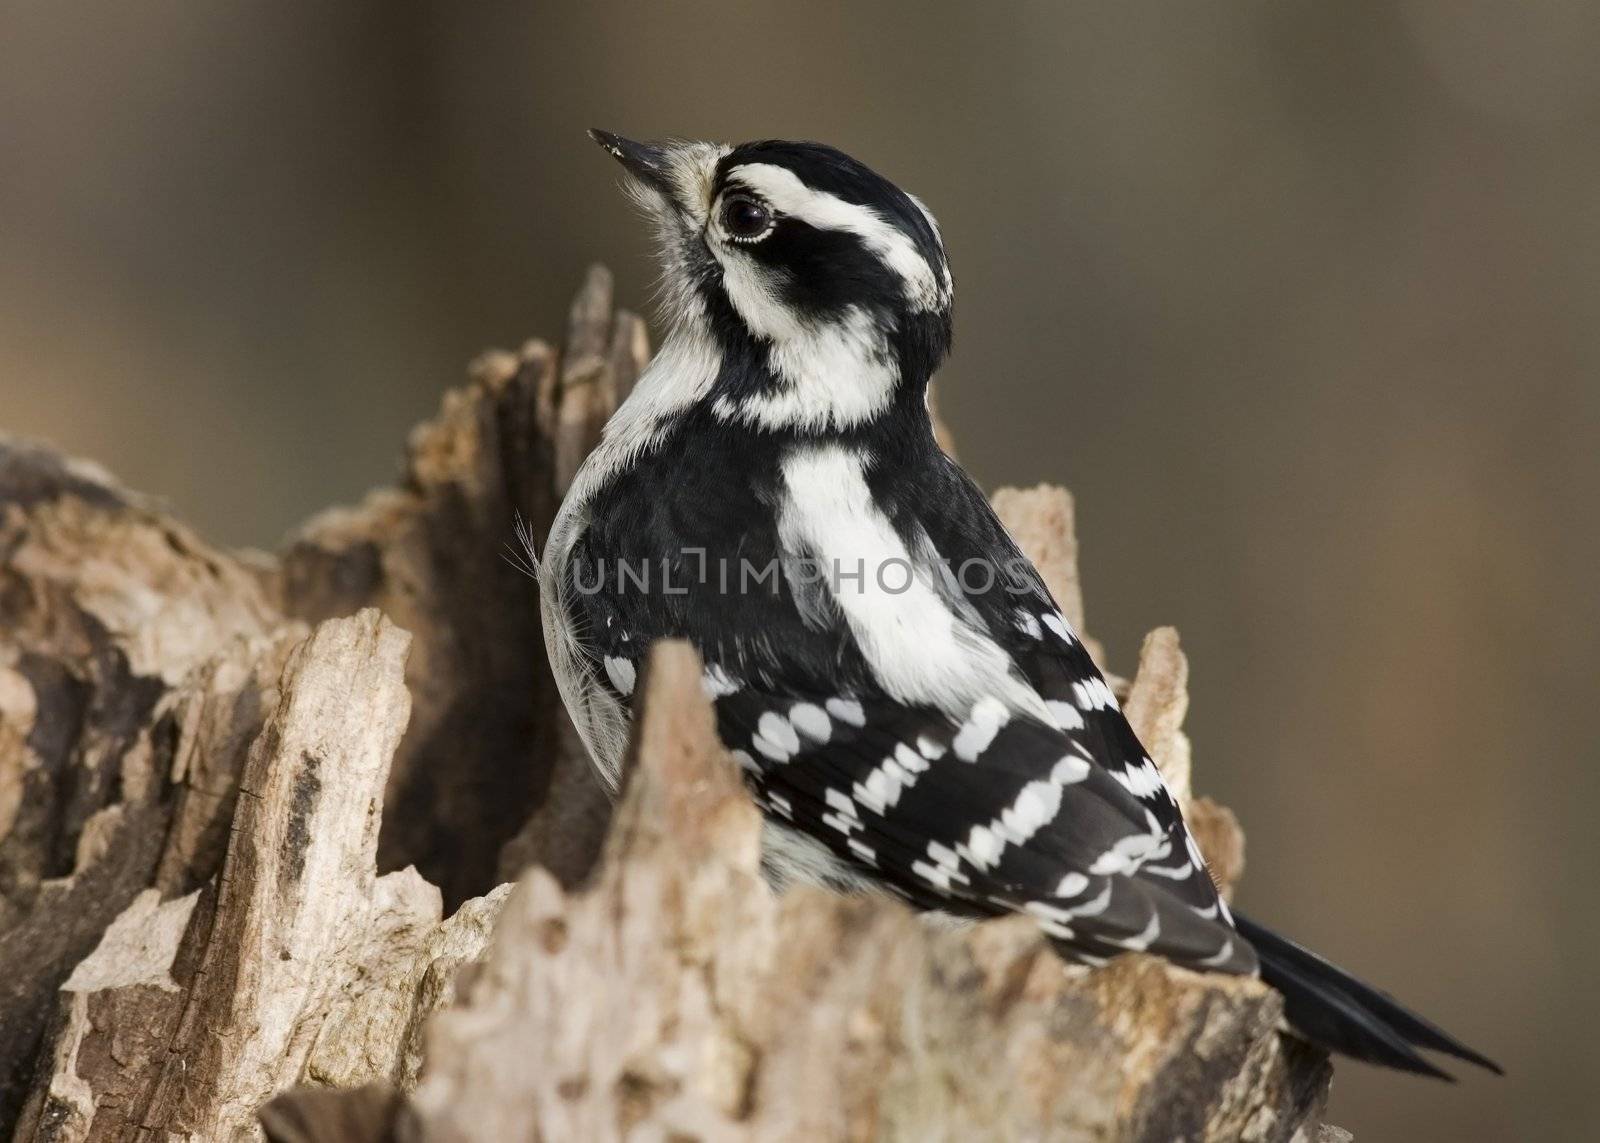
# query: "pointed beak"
644, 161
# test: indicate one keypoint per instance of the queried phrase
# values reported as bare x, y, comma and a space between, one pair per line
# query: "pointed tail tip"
1422, 1066
1343, 1014
1465, 1053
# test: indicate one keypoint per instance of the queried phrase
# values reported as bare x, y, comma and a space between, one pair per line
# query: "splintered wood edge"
300, 866
679, 782
1042, 521
1221, 840
604, 352
1158, 700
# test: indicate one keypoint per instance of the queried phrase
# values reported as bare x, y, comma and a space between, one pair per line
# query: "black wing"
978, 812
992, 813
1021, 615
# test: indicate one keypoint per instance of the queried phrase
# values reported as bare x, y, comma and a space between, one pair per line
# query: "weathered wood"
1043, 522
188, 1014
441, 556
677, 997
137, 665
107, 607
211, 800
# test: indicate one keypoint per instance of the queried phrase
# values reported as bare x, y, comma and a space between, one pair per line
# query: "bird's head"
821, 288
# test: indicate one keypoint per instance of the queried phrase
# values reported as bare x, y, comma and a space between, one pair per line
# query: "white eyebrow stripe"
783, 189
949, 284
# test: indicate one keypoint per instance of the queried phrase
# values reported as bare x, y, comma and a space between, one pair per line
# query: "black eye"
745, 218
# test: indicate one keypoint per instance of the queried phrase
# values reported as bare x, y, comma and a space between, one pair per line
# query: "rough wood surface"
231, 866
437, 554
677, 997
125, 643
221, 1001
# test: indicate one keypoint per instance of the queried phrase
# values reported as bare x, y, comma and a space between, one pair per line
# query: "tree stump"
258, 817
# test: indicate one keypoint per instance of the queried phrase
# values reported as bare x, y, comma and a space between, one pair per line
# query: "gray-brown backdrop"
1299, 298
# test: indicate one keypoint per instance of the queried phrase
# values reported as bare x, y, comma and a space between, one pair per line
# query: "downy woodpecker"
911, 711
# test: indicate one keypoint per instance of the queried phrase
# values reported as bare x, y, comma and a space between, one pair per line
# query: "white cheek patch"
757, 294
783, 190
837, 373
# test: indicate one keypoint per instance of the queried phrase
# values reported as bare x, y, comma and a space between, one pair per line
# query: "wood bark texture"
302, 847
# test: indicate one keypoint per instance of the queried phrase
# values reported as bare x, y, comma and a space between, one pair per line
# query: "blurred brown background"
1300, 299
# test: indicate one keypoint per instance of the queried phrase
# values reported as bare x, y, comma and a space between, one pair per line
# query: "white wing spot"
776, 738
983, 847
1095, 907
847, 710
1093, 694
1070, 769
717, 683
1036, 807
880, 789
1058, 930
909, 760
841, 823
1047, 911
938, 878
1140, 779
811, 720
1071, 885
1126, 854
621, 674
1067, 716
863, 851
1142, 941
987, 717
839, 800
1057, 624
1176, 872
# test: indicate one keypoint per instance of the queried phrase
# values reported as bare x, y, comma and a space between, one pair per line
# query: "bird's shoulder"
686, 543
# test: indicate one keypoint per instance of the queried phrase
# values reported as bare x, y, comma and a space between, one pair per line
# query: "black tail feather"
1333, 1008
